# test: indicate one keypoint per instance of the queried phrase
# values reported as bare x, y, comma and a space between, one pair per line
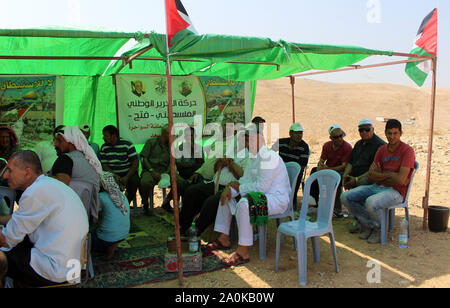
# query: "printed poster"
28, 104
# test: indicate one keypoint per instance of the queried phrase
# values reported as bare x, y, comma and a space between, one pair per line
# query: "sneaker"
355, 226
365, 233
375, 237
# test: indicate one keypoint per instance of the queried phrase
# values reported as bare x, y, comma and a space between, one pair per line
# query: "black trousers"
314, 192
199, 199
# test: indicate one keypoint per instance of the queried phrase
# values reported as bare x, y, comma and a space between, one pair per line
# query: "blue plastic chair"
293, 170
10, 195
388, 216
302, 229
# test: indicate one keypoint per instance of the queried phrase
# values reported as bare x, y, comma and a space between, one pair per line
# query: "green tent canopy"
88, 60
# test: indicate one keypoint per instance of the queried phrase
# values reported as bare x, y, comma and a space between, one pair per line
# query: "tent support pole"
359, 67
117, 104
293, 97
430, 145
173, 174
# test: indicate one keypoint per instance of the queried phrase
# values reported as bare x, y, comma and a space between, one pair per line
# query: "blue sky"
377, 24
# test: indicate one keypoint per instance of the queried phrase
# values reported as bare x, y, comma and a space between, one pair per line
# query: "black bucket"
438, 218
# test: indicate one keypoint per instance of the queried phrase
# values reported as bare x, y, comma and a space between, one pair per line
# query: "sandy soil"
426, 262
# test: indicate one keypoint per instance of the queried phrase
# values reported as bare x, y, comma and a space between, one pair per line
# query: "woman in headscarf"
8, 145
114, 224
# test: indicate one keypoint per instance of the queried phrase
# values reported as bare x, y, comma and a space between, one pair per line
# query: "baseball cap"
333, 127
84, 127
365, 122
296, 127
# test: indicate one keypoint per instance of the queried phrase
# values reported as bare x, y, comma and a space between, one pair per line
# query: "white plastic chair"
302, 229
293, 170
10, 195
388, 216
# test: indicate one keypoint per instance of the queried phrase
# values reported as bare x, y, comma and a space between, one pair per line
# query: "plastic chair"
10, 195
388, 216
293, 170
302, 229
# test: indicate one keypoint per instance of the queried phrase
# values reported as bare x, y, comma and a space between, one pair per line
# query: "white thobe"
55, 220
266, 173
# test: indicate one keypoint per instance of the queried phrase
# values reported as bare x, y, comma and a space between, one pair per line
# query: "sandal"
232, 260
216, 245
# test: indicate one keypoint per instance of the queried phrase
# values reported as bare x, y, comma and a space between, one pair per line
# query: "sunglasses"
337, 137
364, 130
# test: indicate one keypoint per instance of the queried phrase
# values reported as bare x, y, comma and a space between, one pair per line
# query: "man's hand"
235, 185
349, 182
194, 178
3, 242
226, 196
156, 176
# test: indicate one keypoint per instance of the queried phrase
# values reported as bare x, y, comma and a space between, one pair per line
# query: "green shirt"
157, 155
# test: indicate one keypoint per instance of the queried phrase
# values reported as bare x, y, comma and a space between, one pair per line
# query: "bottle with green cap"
193, 238
403, 235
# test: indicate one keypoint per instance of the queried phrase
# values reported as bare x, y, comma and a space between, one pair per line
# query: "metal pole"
293, 97
117, 103
430, 146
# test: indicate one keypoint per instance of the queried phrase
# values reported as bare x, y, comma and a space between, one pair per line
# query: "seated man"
8, 143
156, 161
114, 224
203, 200
294, 149
47, 230
335, 154
391, 172
119, 157
86, 130
200, 196
76, 162
357, 169
264, 190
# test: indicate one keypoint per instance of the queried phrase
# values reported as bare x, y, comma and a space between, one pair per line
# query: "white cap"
365, 122
296, 127
84, 127
333, 127
165, 181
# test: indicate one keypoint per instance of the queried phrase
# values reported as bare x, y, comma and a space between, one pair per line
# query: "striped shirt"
299, 154
118, 157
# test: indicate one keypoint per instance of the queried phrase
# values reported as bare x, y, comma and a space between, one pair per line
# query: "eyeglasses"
337, 137
364, 130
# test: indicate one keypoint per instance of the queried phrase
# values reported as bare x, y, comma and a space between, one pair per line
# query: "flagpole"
172, 159
430, 146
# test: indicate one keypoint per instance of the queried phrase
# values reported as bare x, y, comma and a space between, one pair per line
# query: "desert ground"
426, 262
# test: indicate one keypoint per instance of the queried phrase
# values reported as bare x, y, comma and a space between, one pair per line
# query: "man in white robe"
267, 174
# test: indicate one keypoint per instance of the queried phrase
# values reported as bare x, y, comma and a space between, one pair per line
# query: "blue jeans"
367, 202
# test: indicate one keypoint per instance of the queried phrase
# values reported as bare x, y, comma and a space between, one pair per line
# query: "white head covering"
74, 135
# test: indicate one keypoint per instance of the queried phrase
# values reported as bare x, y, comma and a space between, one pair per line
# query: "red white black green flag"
426, 44
178, 22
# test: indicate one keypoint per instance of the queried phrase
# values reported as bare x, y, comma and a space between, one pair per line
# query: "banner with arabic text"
196, 101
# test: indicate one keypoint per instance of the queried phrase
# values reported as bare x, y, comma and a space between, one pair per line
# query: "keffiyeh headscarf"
74, 135
109, 184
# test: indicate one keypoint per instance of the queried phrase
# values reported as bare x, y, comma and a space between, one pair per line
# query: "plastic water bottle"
193, 238
403, 235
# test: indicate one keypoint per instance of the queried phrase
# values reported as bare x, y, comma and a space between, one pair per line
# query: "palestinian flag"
426, 44
178, 21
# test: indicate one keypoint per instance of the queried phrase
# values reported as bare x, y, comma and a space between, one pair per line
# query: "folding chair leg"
384, 225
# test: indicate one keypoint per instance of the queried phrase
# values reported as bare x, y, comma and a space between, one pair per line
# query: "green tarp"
88, 83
